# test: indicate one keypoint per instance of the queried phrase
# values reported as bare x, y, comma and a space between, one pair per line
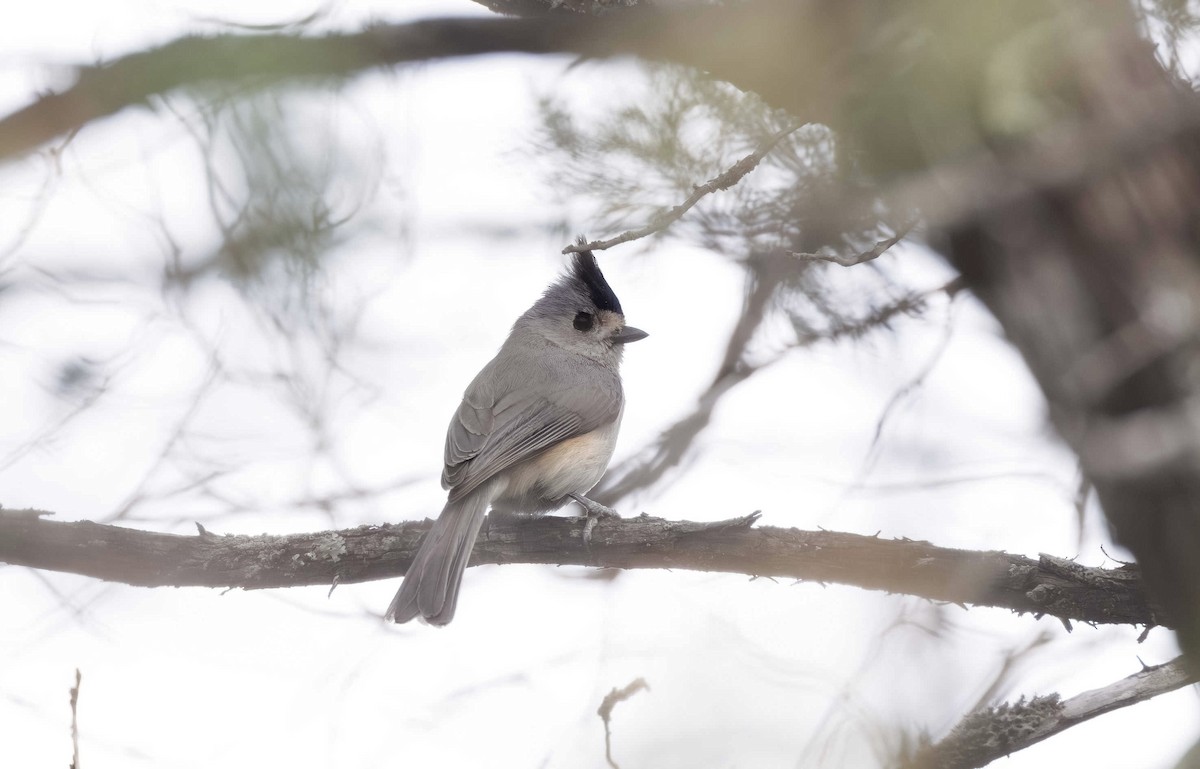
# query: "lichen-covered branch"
1045, 586
995, 732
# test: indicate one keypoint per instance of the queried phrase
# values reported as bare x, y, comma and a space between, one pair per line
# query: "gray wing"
506, 417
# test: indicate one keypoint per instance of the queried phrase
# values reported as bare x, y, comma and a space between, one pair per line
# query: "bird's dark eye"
584, 321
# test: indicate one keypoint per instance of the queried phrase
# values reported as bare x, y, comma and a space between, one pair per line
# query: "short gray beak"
627, 335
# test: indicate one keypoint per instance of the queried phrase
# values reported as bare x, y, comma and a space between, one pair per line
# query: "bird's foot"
594, 509
595, 512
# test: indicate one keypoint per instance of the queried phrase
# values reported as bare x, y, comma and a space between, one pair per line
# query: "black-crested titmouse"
536, 428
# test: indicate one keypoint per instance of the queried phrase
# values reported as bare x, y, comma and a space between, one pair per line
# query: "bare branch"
722, 181
606, 708
992, 733
881, 317
1046, 586
849, 261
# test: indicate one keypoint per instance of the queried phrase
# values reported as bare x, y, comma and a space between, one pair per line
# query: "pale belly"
574, 466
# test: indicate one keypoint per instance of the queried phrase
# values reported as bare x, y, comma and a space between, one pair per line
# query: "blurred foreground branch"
255, 61
995, 732
1046, 586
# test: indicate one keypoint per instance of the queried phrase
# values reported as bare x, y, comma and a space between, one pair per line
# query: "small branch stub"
75, 720
606, 708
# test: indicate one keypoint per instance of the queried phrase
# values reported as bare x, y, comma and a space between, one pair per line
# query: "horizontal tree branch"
1046, 586
993, 733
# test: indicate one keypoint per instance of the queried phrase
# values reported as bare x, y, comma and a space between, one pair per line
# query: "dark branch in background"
882, 316
1046, 586
993, 733
665, 219
653, 462
1108, 235
909, 388
668, 450
606, 708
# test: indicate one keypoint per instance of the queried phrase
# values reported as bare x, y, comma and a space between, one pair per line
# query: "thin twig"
606, 708
75, 720
723, 181
881, 317
910, 387
1083, 490
1012, 657
865, 256
669, 449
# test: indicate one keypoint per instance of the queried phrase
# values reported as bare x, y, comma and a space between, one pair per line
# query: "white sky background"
743, 673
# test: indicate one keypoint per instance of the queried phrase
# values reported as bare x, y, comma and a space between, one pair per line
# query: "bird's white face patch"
609, 322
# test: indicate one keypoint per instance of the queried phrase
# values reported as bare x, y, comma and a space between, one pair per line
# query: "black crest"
585, 270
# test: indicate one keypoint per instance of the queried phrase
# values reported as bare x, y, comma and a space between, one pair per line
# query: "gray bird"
536, 428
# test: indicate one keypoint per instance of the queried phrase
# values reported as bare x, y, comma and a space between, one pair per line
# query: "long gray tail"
430, 587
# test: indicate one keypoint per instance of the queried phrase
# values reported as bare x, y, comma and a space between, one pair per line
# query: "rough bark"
1046, 586
996, 732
